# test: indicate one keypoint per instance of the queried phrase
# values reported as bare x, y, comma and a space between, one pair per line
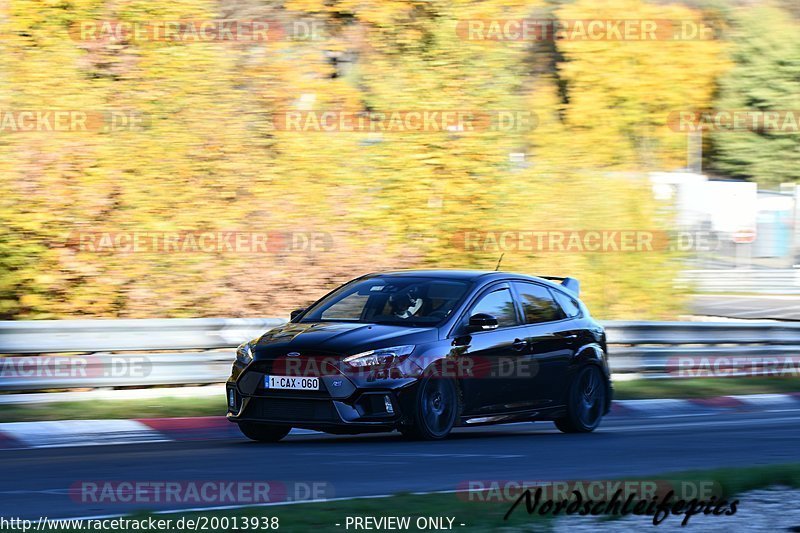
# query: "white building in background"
750, 224
723, 206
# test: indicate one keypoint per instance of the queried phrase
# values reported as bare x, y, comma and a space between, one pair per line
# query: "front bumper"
342, 405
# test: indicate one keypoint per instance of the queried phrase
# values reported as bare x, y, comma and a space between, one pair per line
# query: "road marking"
454, 455
756, 297
373, 463
434, 455
705, 423
682, 415
765, 311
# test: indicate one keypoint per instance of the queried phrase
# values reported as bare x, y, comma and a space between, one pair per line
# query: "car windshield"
409, 301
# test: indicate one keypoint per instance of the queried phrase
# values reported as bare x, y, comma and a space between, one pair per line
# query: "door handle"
519, 345
569, 337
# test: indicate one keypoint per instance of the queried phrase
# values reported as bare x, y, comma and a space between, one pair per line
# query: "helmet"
404, 304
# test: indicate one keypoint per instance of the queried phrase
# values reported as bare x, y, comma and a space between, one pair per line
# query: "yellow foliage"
209, 156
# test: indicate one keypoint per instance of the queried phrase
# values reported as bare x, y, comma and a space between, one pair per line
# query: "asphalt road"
36, 482
776, 307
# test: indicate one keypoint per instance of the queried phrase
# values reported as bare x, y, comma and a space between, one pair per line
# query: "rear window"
569, 305
538, 304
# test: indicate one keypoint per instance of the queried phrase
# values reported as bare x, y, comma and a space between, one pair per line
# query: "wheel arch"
594, 354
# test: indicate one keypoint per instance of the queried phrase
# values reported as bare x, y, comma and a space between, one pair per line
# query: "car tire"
263, 432
586, 402
436, 411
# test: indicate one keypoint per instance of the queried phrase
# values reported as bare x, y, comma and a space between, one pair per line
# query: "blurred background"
208, 152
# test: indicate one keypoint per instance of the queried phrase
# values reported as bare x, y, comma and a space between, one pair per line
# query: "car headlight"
381, 356
244, 354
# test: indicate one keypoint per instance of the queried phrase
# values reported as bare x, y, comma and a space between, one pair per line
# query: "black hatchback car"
423, 352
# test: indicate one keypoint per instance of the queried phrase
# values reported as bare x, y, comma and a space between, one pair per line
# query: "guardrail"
759, 281
60, 336
145, 353
698, 349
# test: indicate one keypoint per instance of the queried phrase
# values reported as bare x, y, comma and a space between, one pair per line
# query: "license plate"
290, 383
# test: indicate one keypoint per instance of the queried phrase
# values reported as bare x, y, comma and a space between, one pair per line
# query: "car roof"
464, 275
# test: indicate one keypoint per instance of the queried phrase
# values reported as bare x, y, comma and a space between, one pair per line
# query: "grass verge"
103, 409
640, 389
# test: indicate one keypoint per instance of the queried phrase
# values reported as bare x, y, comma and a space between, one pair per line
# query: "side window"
569, 305
537, 303
500, 305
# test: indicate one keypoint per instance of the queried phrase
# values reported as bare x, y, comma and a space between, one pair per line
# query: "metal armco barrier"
200, 351
700, 349
60, 336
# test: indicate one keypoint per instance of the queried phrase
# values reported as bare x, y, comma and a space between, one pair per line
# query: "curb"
65, 433
192, 429
667, 408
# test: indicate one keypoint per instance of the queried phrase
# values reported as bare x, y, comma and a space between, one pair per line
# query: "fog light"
388, 403
231, 398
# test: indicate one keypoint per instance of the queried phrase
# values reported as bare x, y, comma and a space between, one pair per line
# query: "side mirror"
294, 314
482, 322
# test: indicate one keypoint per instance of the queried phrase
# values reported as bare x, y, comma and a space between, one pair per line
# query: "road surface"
37, 482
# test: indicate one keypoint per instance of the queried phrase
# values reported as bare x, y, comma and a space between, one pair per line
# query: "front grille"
308, 365
292, 410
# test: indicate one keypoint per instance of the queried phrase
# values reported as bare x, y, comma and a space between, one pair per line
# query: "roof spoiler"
571, 284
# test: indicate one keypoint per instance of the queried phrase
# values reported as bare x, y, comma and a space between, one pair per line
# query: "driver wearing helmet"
405, 304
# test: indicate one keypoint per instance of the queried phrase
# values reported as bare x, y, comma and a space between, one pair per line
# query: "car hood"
336, 338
